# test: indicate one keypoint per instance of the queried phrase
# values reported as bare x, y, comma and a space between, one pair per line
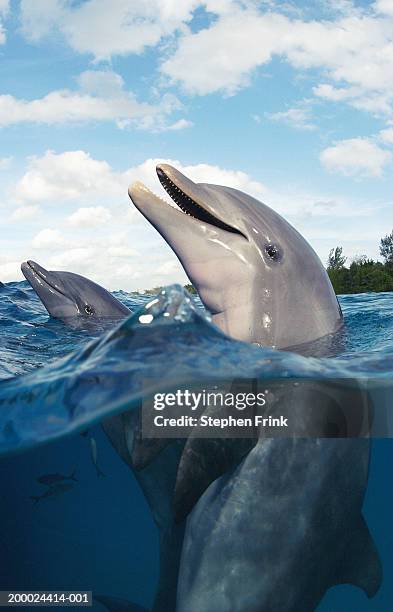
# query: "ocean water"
58, 382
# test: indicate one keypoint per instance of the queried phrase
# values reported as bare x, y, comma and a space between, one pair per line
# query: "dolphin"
257, 276
254, 539
66, 295
285, 525
260, 279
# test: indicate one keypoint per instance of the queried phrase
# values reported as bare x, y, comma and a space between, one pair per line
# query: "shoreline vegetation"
363, 275
154, 290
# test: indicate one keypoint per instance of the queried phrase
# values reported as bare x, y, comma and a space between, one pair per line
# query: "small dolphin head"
254, 272
66, 295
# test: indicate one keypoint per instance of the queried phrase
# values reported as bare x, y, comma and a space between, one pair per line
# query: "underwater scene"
73, 514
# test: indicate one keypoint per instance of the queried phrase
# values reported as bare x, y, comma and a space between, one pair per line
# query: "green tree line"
363, 274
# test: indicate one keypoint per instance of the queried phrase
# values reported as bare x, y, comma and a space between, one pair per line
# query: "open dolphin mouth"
189, 206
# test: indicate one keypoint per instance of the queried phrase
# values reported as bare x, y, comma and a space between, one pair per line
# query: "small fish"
55, 491
93, 450
51, 479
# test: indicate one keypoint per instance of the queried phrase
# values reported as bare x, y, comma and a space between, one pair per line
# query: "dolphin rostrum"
254, 272
66, 295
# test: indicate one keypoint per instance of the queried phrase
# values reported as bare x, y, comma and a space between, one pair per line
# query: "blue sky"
291, 102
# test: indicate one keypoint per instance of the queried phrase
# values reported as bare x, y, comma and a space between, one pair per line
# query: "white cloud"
112, 266
74, 176
103, 83
356, 157
384, 7
386, 136
101, 97
167, 268
377, 103
68, 176
121, 251
207, 173
223, 56
179, 125
24, 213
90, 216
336, 94
74, 259
4, 8
353, 49
105, 28
10, 271
298, 117
48, 239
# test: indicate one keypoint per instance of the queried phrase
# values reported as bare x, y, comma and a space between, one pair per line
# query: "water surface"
59, 381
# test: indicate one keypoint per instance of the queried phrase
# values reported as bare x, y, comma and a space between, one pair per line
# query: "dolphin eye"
88, 310
273, 252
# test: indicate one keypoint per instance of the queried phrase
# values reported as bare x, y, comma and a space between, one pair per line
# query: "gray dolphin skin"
67, 295
254, 272
285, 525
282, 522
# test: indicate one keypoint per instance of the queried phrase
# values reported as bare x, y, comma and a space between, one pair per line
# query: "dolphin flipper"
362, 566
116, 604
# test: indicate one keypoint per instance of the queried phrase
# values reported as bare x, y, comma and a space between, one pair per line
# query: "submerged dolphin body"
67, 295
254, 272
286, 524
255, 538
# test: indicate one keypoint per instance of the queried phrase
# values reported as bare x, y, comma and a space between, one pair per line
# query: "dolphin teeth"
192, 208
